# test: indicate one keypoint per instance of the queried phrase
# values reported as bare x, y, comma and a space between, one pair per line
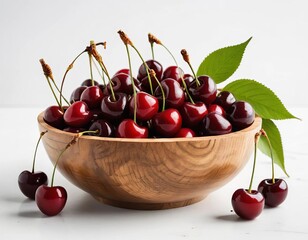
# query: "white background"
58, 30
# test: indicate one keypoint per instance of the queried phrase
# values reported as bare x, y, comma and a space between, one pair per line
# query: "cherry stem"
73, 141
271, 152
133, 83
152, 50
153, 74
186, 59
146, 68
176, 63
53, 92
58, 90
257, 136
36, 147
65, 74
91, 69
101, 74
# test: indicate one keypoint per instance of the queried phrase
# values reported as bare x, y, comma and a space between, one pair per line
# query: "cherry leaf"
222, 63
275, 138
264, 101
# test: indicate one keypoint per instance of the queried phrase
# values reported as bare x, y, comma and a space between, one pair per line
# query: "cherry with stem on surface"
29, 182
274, 190
248, 203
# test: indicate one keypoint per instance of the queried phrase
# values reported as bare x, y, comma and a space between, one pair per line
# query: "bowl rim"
256, 124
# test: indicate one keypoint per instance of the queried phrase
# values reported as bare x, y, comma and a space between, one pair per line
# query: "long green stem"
36, 147
146, 68
101, 74
176, 63
254, 161
58, 90
53, 92
162, 92
271, 152
133, 83
91, 68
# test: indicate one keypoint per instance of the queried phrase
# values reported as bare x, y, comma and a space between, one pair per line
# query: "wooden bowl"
150, 173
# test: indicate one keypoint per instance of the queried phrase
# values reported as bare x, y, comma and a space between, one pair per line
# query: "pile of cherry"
156, 104
93, 107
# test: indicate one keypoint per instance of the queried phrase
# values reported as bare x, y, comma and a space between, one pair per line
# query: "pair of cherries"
34, 185
248, 203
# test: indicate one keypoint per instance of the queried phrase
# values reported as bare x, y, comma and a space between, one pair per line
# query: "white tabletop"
84, 217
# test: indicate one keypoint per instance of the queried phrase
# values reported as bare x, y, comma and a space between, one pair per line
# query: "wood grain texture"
150, 173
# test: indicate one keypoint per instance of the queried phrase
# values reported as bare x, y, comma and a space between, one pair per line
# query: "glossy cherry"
225, 99
241, 115
205, 91
215, 124
123, 70
167, 123
51, 200
29, 182
104, 128
147, 106
75, 96
92, 96
88, 83
174, 94
274, 193
53, 115
185, 133
152, 64
122, 83
188, 79
247, 205
173, 72
129, 129
114, 110
217, 109
77, 115
193, 114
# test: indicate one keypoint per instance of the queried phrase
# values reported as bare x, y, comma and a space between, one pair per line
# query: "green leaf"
274, 136
222, 63
263, 100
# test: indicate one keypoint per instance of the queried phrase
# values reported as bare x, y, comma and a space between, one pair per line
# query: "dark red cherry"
74, 130
152, 64
104, 128
29, 182
53, 115
188, 79
50, 200
174, 94
247, 205
123, 70
185, 133
75, 96
167, 123
215, 124
77, 115
129, 129
114, 110
88, 83
274, 193
205, 92
96, 114
122, 84
217, 109
241, 115
193, 114
225, 99
147, 106
92, 96
173, 72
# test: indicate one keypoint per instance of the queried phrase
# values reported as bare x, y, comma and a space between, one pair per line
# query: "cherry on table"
274, 193
51, 200
247, 205
29, 182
